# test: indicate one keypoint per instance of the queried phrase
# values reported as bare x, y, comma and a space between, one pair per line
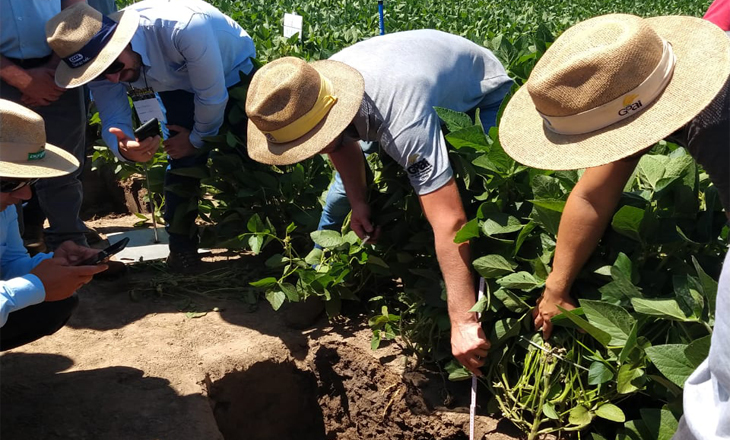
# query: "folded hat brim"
349, 88
702, 68
128, 22
55, 163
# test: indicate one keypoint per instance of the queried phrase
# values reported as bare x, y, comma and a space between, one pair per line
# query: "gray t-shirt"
408, 73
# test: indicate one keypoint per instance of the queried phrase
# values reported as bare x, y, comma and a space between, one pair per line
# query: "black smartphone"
104, 255
150, 128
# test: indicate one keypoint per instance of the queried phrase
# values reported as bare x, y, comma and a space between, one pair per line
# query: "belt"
30, 63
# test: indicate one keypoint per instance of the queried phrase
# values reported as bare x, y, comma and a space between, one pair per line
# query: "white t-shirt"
408, 73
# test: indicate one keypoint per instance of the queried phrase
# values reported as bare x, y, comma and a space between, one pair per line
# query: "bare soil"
132, 364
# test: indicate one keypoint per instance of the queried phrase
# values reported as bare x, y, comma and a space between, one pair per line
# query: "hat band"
94, 46
19, 152
623, 107
325, 100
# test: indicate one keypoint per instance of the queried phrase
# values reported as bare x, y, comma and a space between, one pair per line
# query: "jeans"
34, 322
181, 192
60, 198
337, 206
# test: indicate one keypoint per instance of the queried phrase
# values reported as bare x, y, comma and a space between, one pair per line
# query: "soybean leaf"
468, 231
290, 291
327, 239
454, 120
627, 222
614, 320
697, 350
457, 371
671, 361
522, 236
549, 410
598, 335
709, 286
491, 266
264, 282
611, 412
667, 308
599, 373
580, 416
503, 330
480, 305
511, 301
623, 265
628, 377
630, 343
659, 422
276, 298
468, 137
255, 224
500, 223
688, 298
520, 280
313, 257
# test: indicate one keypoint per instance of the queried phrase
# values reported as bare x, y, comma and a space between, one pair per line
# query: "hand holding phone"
150, 128
104, 255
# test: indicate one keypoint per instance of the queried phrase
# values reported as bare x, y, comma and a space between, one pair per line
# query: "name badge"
146, 105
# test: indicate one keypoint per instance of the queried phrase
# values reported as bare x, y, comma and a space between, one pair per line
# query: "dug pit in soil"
348, 395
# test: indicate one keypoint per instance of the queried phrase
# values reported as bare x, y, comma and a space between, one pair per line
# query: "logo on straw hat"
630, 105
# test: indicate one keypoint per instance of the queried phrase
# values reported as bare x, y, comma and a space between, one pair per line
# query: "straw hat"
296, 109
24, 152
612, 86
82, 37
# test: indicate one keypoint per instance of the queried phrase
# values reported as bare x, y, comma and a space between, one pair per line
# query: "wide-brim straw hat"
284, 92
70, 30
599, 63
24, 152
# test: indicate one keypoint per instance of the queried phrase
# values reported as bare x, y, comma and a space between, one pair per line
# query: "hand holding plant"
547, 307
469, 345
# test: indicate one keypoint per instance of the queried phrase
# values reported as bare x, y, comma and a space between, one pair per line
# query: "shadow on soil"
149, 289
40, 401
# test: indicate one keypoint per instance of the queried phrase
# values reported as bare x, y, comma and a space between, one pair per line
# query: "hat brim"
128, 22
55, 163
703, 66
349, 87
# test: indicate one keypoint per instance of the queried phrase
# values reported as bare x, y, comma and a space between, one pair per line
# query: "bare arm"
445, 213
350, 163
585, 217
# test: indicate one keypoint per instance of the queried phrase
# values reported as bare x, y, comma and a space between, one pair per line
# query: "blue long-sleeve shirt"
185, 45
18, 287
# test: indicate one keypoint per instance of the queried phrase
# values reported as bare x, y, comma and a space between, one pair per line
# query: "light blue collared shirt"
185, 45
23, 27
18, 288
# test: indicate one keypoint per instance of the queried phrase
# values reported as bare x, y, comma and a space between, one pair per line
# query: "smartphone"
150, 128
104, 255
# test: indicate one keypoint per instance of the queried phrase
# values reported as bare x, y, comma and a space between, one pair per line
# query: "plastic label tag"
292, 25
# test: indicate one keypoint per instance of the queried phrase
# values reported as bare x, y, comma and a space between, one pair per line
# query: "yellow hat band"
325, 100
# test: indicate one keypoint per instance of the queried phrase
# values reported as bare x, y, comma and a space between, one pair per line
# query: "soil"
137, 361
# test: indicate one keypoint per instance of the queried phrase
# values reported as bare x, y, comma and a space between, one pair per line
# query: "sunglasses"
115, 67
8, 186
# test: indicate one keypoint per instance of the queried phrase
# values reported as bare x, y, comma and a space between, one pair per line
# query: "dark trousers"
34, 322
59, 197
181, 192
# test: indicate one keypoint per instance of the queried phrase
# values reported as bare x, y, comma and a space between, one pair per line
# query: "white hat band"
620, 108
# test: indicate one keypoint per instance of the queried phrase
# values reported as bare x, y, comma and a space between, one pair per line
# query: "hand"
547, 307
179, 146
61, 280
39, 87
360, 223
73, 253
469, 345
135, 150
